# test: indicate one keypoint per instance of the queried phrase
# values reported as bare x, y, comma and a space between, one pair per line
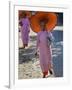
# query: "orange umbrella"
40, 16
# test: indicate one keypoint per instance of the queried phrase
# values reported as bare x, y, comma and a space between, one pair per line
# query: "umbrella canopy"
51, 19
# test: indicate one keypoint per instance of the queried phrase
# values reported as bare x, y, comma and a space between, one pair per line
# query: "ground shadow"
58, 53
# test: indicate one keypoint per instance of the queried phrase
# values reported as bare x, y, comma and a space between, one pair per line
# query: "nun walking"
45, 54
25, 29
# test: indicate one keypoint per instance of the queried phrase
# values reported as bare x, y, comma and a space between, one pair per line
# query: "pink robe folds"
25, 29
45, 51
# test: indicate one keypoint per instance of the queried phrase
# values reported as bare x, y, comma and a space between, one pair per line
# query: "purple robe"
45, 51
25, 29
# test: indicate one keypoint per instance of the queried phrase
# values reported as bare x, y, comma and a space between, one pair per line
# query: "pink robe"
45, 51
25, 29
